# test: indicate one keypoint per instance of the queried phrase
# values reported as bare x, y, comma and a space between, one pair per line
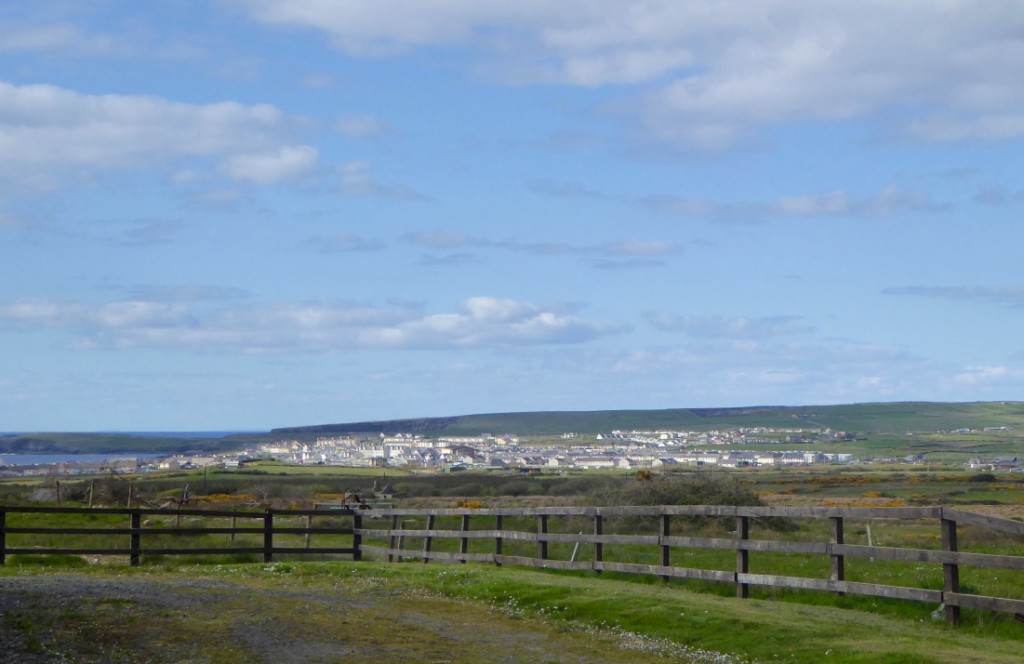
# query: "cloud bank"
198, 319
711, 75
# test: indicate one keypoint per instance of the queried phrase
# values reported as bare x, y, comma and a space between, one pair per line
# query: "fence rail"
130, 536
390, 536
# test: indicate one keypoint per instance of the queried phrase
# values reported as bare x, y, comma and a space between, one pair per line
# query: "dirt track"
71, 617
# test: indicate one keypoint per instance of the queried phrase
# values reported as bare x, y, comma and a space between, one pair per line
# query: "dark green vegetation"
282, 485
883, 426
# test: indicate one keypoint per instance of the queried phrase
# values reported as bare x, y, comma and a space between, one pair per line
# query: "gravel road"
191, 618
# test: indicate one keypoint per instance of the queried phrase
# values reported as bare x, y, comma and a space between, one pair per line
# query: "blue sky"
259, 213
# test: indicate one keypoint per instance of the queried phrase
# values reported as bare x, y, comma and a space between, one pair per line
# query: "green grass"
765, 628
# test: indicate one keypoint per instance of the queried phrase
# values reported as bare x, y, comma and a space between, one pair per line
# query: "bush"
464, 490
696, 489
690, 489
580, 486
520, 488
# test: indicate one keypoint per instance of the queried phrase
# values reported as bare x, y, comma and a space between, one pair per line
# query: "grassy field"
676, 617
420, 613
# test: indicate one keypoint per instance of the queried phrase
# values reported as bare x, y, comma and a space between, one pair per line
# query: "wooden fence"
395, 534
262, 527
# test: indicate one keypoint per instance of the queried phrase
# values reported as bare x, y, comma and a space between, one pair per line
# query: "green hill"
896, 418
870, 418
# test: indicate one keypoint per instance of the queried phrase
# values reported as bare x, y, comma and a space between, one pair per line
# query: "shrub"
520, 488
690, 489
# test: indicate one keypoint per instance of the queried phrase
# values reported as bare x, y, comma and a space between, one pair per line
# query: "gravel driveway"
198, 618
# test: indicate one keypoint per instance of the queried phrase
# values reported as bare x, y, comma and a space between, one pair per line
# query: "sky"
246, 214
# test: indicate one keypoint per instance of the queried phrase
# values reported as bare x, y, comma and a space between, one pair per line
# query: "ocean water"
163, 434
51, 459
185, 434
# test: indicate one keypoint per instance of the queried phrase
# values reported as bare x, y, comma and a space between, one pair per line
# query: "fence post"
401, 539
268, 536
357, 536
393, 540
136, 538
950, 571
3, 536
428, 540
742, 555
837, 562
665, 531
598, 546
499, 524
542, 529
464, 541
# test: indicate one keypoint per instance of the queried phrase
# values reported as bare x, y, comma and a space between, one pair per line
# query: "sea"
52, 459
63, 457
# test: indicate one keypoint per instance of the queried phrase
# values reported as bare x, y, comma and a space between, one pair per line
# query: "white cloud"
888, 201
615, 255
984, 375
290, 162
361, 126
355, 179
441, 239
46, 131
716, 73
836, 202
199, 321
57, 37
724, 327
645, 248
128, 314
345, 242
1010, 296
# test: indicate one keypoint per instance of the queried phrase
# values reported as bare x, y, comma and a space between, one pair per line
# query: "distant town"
616, 450
623, 450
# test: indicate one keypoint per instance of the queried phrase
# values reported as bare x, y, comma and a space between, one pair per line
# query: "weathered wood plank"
658, 570
204, 531
889, 553
429, 555
985, 560
782, 546
894, 592
126, 530
455, 557
701, 542
526, 561
993, 522
202, 551
654, 510
809, 583
984, 603
35, 551
780, 581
